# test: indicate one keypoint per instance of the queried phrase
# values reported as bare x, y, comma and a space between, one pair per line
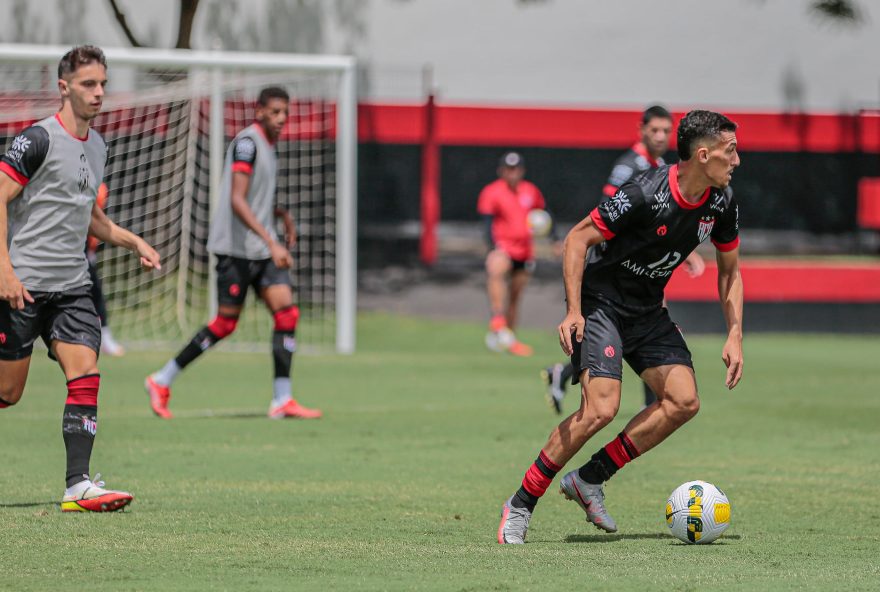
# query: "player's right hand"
571, 327
12, 291
281, 257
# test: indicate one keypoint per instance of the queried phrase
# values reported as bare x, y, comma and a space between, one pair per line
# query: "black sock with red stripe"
79, 425
602, 466
535, 483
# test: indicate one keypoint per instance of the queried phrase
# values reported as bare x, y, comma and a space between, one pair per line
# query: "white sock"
167, 374
281, 394
78, 488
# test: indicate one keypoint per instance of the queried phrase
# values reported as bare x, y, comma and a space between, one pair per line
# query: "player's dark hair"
272, 92
80, 55
654, 112
700, 125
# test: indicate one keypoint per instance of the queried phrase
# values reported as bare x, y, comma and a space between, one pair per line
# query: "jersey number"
666, 262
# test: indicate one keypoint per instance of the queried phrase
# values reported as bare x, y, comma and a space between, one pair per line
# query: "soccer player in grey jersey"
52, 172
243, 238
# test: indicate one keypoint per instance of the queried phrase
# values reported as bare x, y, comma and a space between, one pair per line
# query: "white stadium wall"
742, 54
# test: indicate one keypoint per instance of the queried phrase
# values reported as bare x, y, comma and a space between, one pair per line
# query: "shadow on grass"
232, 414
29, 504
610, 538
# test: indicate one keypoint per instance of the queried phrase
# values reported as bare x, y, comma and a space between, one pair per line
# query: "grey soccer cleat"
555, 388
591, 499
514, 524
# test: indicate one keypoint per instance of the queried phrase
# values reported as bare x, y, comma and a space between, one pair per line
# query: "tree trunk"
184, 29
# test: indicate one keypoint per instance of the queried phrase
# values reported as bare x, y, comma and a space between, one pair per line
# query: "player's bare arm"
242, 209
574, 252
730, 291
289, 227
11, 289
106, 230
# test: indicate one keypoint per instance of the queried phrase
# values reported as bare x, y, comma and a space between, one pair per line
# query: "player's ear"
63, 88
703, 154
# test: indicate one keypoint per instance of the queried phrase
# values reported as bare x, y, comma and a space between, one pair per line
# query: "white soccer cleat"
90, 496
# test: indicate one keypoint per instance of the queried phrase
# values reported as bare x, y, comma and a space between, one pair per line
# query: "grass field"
425, 434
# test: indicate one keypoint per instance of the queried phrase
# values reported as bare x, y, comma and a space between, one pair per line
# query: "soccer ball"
539, 222
697, 512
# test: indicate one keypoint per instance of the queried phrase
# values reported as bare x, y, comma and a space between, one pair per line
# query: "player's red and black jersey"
629, 165
649, 230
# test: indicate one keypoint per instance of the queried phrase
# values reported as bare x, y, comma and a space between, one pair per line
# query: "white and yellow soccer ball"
539, 222
697, 512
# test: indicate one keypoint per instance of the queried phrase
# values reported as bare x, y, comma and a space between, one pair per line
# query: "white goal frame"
215, 62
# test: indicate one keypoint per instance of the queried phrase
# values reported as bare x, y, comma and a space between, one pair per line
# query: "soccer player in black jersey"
646, 154
615, 312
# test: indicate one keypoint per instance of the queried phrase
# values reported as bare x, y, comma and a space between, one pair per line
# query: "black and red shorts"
645, 341
68, 317
235, 275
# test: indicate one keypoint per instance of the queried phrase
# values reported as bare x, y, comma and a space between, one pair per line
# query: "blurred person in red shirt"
504, 205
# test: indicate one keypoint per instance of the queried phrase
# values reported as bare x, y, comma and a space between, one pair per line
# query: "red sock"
537, 479
498, 322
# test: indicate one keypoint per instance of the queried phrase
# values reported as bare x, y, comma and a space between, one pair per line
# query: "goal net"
168, 124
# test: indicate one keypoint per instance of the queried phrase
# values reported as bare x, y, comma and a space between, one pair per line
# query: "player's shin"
608, 460
283, 347
535, 482
79, 425
218, 329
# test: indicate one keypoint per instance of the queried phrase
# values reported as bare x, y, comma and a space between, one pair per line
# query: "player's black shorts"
235, 274
645, 341
527, 265
68, 317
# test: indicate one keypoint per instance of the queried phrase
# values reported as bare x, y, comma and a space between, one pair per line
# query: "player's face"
85, 90
655, 135
512, 175
272, 117
720, 160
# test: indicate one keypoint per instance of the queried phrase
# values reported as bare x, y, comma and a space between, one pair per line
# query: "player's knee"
684, 408
286, 318
498, 264
10, 395
222, 326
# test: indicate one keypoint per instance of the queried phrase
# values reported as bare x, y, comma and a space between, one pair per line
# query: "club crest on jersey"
83, 176
617, 205
704, 228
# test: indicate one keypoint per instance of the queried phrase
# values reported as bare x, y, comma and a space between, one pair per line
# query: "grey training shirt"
49, 221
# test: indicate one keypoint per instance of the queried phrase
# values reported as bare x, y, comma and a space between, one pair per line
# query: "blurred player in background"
243, 238
504, 205
615, 313
109, 345
646, 154
52, 172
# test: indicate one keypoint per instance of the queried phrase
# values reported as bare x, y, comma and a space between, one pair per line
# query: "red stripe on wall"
775, 281
466, 125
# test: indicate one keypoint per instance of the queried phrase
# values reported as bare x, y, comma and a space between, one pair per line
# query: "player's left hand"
732, 356
694, 265
149, 256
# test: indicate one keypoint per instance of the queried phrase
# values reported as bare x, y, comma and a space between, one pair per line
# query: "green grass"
400, 485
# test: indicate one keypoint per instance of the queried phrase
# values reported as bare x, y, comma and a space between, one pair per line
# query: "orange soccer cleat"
159, 396
293, 409
90, 496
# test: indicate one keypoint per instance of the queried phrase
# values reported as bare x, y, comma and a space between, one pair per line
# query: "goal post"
168, 118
